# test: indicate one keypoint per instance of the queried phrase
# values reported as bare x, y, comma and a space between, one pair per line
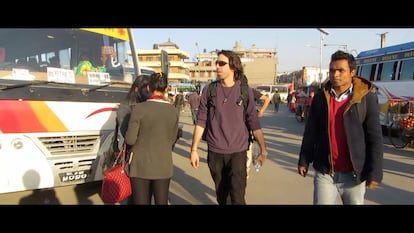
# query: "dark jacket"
364, 138
123, 114
152, 132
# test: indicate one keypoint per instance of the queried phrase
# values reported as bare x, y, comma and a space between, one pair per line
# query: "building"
177, 68
306, 77
260, 65
204, 69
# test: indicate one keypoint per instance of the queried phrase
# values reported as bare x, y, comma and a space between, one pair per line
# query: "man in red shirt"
343, 136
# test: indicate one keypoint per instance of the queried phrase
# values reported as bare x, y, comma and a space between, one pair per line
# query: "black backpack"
243, 99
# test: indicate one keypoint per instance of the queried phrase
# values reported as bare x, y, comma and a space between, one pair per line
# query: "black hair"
158, 82
341, 55
141, 82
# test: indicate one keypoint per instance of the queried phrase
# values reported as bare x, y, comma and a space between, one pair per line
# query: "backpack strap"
211, 94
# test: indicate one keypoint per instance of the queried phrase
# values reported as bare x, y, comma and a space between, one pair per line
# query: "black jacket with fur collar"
364, 136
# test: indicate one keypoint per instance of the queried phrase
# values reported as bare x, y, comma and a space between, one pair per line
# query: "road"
277, 182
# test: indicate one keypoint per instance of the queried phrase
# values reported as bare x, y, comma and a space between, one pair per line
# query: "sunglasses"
221, 63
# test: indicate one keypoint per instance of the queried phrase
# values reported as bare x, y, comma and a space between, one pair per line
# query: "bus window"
407, 70
368, 71
388, 71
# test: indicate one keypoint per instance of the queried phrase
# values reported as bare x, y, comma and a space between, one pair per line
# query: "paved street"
277, 183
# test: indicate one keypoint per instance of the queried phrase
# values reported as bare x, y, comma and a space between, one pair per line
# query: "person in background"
343, 137
293, 102
260, 112
276, 100
265, 99
227, 134
179, 101
138, 93
194, 101
151, 135
308, 103
111, 65
301, 97
289, 99
84, 65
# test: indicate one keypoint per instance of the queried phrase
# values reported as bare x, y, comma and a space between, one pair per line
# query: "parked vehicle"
268, 89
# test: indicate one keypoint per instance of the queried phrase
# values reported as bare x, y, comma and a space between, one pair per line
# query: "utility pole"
382, 35
323, 33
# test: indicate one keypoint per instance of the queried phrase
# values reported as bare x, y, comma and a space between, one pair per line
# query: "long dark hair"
234, 63
141, 82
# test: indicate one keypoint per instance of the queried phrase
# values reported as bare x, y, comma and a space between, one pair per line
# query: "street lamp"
323, 32
339, 45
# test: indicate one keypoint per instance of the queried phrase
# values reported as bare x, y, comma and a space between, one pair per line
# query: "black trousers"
229, 175
143, 190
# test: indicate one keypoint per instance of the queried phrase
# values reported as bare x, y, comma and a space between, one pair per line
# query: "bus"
56, 125
186, 88
391, 69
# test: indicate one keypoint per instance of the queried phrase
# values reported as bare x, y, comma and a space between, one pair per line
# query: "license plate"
74, 176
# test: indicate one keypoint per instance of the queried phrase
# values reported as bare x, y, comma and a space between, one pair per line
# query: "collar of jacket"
360, 89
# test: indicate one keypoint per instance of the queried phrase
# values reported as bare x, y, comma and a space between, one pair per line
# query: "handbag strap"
115, 137
121, 156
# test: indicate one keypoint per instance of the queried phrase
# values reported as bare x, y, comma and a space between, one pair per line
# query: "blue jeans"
276, 107
327, 188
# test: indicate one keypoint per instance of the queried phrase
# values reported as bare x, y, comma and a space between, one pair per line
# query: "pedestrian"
260, 112
179, 101
194, 101
276, 100
151, 135
137, 93
343, 137
293, 102
308, 103
227, 135
265, 100
289, 99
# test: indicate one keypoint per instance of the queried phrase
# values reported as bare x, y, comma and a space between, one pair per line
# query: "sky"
296, 47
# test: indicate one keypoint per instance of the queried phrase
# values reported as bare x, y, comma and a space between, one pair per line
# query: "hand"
261, 158
302, 170
372, 184
194, 159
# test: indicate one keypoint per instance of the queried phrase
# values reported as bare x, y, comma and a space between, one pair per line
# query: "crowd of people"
342, 138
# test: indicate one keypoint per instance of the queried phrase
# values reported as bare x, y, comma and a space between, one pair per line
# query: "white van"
268, 90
